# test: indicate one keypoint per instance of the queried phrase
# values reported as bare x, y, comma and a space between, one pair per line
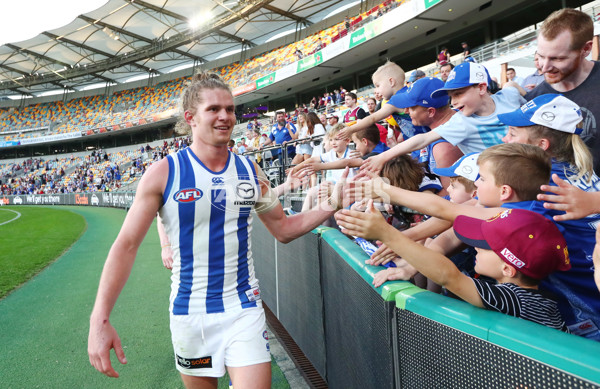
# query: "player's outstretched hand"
298, 178
369, 225
575, 202
101, 339
373, 164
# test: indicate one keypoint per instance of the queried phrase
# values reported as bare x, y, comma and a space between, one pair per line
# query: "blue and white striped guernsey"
207, 217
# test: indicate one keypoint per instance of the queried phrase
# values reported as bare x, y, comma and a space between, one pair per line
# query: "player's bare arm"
102, 335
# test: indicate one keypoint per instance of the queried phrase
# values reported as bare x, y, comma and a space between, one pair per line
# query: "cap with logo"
419, 93
465, 167
551, 110
465, 74
523, 239
415, 75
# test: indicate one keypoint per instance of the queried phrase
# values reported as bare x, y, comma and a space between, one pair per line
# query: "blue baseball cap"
465, 167
416, 74
419, 93
465, 74
550, 110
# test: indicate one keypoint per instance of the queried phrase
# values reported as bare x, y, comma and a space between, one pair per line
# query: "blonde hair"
390, 70
191, 96
578, 23
333, 131
565, 147
303, 114
523, 167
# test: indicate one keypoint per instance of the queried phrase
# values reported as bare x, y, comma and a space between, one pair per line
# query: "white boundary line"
13, 219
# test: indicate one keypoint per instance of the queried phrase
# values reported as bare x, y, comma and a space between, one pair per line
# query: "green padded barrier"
451, 312
321, 229
570, 353
356, 257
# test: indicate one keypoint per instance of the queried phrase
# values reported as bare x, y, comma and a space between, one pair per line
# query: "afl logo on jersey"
188, 195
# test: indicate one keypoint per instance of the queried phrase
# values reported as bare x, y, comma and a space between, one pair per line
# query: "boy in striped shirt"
517, 248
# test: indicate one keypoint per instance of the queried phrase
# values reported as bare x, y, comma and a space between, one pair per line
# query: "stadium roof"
134, 38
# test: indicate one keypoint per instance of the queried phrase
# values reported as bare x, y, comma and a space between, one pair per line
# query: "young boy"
339, 150
476, 127
517, 248
389, 83
339, 153
463, 175
367, 143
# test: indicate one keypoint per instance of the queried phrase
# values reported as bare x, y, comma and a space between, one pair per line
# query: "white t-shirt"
318, 148
334, 175
473, 134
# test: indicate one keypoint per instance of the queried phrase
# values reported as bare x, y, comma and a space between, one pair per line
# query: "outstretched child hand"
381, 256
566, 197
368, 186
373, 164
345, 133
403, 271
369, 225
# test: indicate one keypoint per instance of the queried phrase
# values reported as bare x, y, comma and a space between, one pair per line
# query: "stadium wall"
394, 336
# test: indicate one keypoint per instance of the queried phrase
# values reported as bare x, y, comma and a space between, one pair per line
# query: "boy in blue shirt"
475, 128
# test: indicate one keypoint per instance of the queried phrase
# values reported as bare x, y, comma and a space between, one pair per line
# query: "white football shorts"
205, 343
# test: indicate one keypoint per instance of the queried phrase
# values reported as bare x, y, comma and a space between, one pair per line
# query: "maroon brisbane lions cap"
524, 239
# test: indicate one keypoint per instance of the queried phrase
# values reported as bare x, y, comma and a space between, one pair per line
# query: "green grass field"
44, 323
32, 241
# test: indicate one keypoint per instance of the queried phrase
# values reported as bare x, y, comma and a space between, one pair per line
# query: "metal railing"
272, 167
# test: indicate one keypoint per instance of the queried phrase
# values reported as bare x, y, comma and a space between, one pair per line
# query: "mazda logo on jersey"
188, 195
245, 190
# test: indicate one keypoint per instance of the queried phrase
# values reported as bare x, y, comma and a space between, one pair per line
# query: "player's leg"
251, 377
248, 357
192, 382
199, 345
